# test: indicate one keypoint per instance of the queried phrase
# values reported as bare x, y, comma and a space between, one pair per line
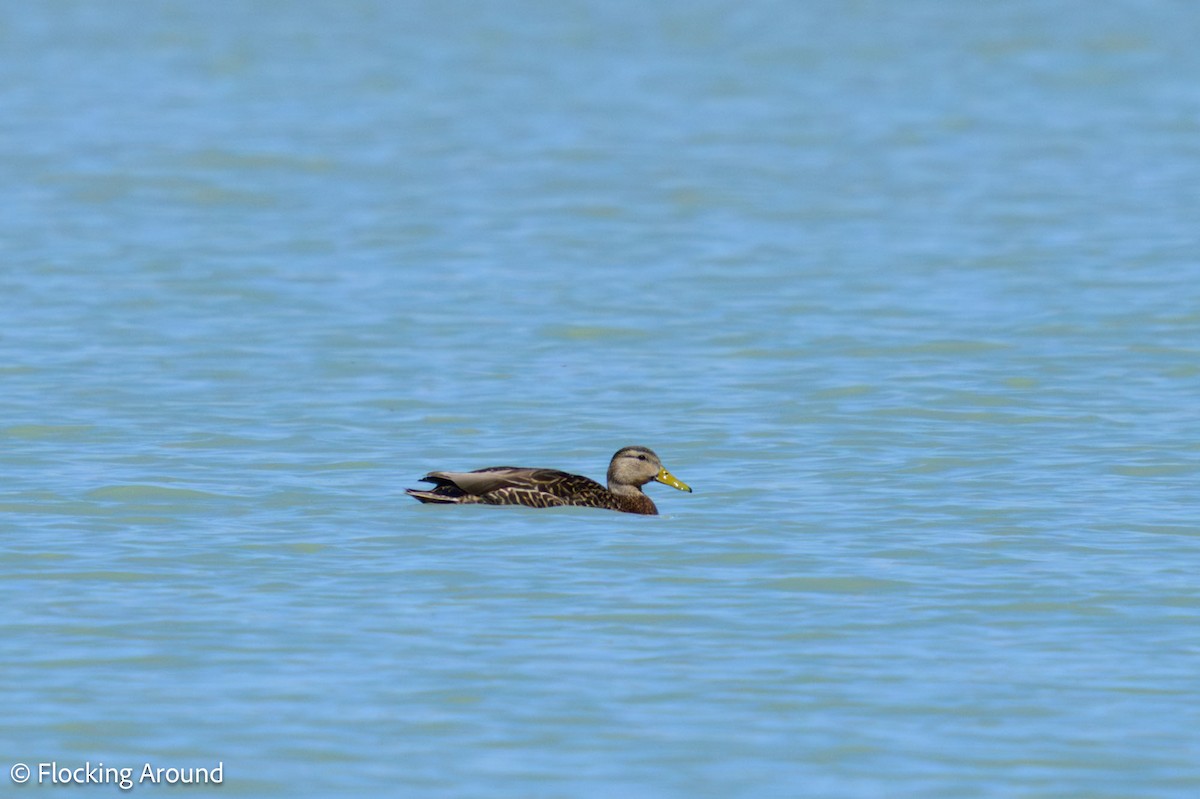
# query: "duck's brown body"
630, 469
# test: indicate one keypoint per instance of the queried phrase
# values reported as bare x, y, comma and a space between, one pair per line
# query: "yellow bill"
664, 476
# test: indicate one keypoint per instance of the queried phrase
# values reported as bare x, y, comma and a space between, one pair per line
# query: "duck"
629, 470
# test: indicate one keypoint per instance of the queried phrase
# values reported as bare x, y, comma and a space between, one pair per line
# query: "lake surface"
908, 292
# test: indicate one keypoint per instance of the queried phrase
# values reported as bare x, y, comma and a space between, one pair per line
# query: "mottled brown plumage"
630, 469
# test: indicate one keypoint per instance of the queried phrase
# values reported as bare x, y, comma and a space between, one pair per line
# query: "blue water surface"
909, 293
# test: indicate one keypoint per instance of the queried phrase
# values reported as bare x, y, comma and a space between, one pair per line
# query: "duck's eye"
641, 457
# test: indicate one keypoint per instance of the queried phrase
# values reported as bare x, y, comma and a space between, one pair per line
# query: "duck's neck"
632, 500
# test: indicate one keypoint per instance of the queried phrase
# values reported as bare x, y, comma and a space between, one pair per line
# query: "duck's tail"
432, 496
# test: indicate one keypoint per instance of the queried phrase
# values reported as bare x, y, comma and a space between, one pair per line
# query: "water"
907, 292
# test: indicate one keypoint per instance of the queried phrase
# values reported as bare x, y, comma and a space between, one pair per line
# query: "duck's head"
633, 467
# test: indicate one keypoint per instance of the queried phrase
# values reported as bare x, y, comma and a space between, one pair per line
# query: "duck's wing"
515, 485
483, 481
464, 488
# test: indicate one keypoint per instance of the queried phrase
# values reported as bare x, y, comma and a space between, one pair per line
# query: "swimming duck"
630, 469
